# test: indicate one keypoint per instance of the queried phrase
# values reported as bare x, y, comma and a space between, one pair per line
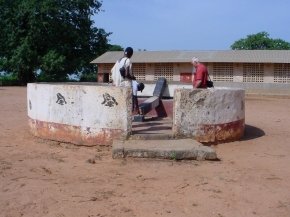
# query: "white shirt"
134, 87
118, 80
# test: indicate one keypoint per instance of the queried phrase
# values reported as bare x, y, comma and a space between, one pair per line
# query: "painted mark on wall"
109, 100
60, 99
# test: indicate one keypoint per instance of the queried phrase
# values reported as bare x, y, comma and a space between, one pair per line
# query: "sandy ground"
44, 178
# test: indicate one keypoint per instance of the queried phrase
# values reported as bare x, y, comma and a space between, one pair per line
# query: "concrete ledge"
78, 113
118, 149
182, 149
149, 104
254, 87
214, 115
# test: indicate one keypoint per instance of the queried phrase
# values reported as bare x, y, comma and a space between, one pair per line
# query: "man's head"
141, 87
194, 61
128, 52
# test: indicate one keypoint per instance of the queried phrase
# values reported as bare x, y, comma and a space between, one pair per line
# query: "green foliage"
89, 77
173, 156
9, 80
260, 41
51, 64
56, 37
113, 47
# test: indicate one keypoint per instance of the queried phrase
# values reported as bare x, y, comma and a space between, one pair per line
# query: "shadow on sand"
252, 132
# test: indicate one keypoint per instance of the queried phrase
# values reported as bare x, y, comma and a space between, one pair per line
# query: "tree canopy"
49, 39
260, 41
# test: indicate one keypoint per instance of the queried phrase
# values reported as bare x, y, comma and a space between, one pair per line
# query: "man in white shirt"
125, 64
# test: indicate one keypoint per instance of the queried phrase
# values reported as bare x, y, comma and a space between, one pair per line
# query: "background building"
248, 69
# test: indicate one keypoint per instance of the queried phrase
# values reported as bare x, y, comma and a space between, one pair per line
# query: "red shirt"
200, 74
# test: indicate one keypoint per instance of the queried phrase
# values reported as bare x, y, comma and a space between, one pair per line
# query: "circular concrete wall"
83, 114
209, 115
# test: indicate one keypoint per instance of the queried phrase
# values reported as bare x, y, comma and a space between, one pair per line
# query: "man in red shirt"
200, 75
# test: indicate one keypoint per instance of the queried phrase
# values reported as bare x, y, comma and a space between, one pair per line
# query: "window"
282, 73
139, 70
223, 72
253, 72
163, 70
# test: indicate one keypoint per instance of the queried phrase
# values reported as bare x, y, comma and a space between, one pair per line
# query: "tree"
260, 41
90, 76
49, 39
114, 47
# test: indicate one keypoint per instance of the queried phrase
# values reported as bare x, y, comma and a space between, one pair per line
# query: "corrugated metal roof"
238, 56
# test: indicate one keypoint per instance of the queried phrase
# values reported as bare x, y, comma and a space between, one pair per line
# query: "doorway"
106, 78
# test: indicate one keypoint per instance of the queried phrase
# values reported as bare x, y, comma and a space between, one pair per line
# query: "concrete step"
175, 149
152, 128
151, 136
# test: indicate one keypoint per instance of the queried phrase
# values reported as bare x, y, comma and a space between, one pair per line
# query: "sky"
163, 25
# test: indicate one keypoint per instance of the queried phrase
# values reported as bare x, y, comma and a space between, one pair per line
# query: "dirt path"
41, 178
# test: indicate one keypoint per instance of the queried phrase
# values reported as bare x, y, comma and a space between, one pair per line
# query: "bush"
88, 77
9, 80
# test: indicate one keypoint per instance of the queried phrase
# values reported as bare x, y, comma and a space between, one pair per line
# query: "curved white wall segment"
209, 115
82, 114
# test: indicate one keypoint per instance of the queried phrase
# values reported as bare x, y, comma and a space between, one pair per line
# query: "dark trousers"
135, 105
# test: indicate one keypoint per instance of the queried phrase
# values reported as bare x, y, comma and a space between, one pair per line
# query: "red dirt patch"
47, 178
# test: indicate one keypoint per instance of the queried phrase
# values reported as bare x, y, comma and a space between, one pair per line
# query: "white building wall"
149, 72
268, 73
176, 72
238, 76
209, 68
238, 72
